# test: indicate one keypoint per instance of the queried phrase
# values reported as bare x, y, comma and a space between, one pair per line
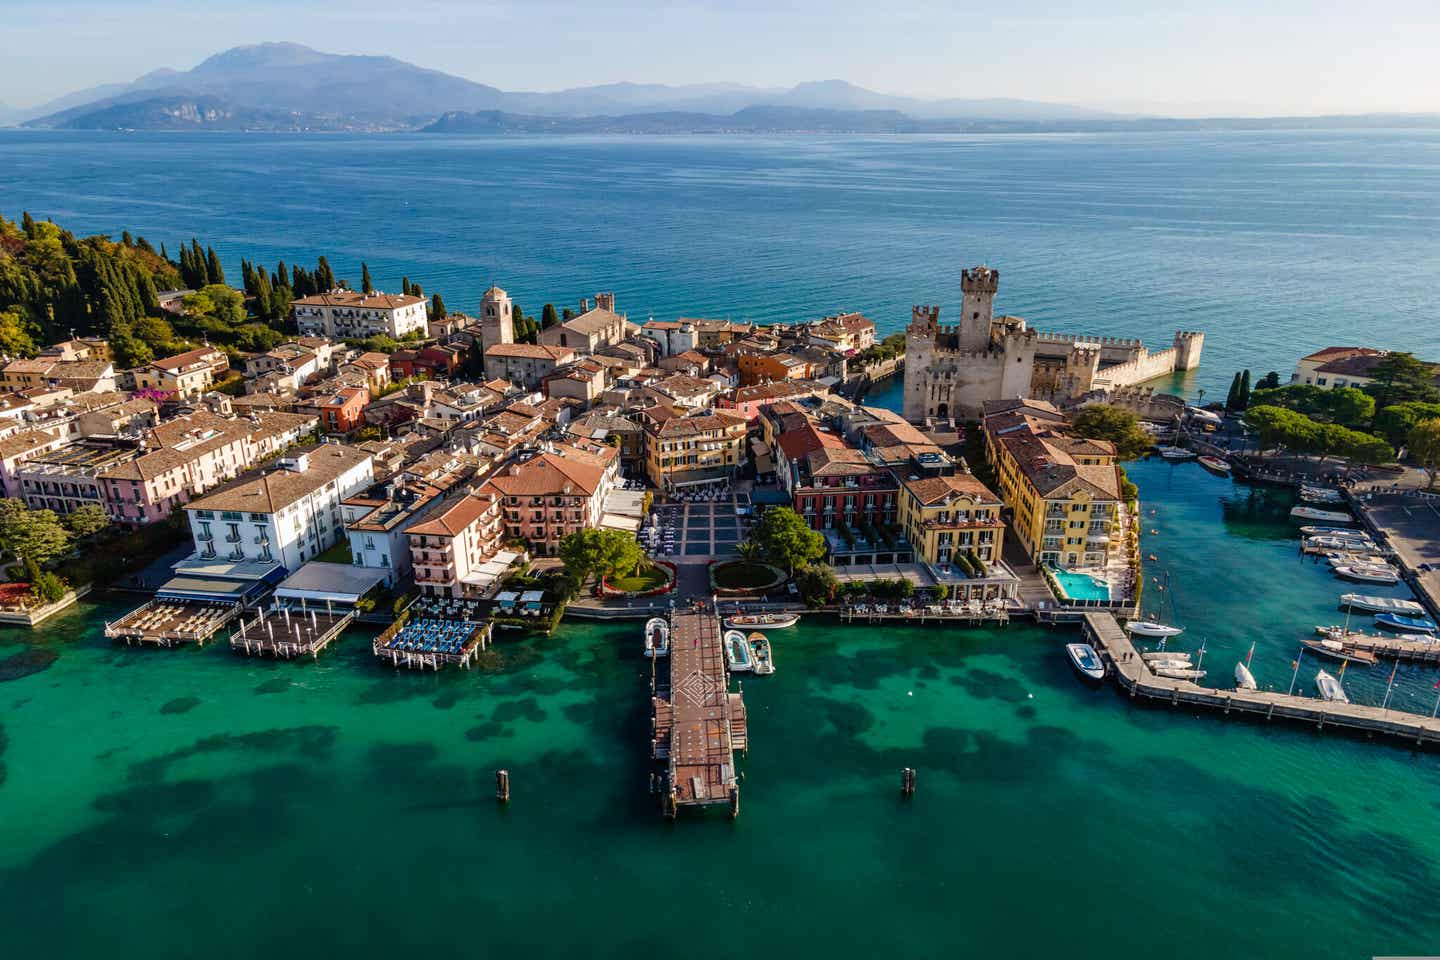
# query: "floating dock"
1135, 677
169, 623
287, 633
1395, 647
698, 724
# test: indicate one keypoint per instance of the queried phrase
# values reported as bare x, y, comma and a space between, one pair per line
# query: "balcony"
233, 538
205, 536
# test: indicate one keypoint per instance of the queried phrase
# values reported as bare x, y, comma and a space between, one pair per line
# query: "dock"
1398, 646
429, 641
170, 623
287, 633
967, 613
1125, 663
698, 723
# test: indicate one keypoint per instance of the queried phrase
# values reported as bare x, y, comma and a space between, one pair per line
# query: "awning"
335, 582
200, 588
696, 478
612, 521
211, 569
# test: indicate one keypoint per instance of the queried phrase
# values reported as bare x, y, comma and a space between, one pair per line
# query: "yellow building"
1064, 491
945, 517
692, 451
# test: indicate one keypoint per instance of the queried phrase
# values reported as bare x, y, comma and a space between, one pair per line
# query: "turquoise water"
165, 803
1273, 243
1080, 586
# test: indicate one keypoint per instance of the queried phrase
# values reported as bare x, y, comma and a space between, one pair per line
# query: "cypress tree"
126, 239
282, 275
324, 276
164, 254
437, 307
365, 285
415, 290
1243, 397
27, 223
1233, 396
212, 266
405, 286
548, 316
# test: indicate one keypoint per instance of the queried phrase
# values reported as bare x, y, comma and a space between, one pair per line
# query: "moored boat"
1403, 624
1152, 628
657, 637
1320, 495
760, 647
1156, 655
1383, 575
1176, 453
1172, 663
1336, 650
1359, 601
1180, 673
1330, 688
1084, 659
1215, 465
1325, 516
1346, 532
765, 621
1244, 679
737, 653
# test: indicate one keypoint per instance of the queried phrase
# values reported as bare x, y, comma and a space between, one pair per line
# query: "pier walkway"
1135, 677
699, 723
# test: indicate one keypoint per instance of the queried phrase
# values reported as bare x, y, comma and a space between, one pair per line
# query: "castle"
951, 370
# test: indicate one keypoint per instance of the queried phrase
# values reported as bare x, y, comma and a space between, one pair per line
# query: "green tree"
1401, 378
33, 534
213, 270
216, 302
1395, 422
548, 316
787, 540
1232, 397
609, 553
1103, 421
365, 285
817, 584
437, 307
1270, 381
87, 520
748, 550
15, 336
1242, 396
1424, 447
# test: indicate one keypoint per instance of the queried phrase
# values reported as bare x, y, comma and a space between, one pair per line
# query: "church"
952, 370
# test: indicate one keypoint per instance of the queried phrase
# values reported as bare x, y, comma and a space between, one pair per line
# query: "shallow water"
159, 803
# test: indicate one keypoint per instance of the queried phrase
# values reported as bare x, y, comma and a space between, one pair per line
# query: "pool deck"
1135, 678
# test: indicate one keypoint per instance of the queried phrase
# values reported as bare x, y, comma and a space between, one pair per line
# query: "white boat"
1336, 650
1331, 542
737, 652
1326, 516
1330, 688
1215, 465
1156, 655
1359, 601
1171, 663
1369, 574
765, 621
1244, 679
1176, 453
1180, 673
1152, 628
1347, 532
760, 647
657, 637
1321, 495
1084, 658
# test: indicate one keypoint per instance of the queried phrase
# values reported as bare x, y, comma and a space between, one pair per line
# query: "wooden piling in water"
907, 782
502, 786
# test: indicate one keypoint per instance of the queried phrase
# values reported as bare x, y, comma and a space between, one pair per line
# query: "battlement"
1126, 343
924, 315
981, 279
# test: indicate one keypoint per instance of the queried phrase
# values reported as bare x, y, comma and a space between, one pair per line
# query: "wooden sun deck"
1136, 678
169, 623
289, 633
698, 722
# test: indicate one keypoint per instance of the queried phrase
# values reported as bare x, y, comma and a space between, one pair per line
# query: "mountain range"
290, 87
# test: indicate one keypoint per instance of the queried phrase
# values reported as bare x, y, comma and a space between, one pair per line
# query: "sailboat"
1330, 688
1244, 679
1152, 628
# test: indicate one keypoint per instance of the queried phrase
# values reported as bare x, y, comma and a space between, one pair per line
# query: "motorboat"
1084, 658
760, 647
1332, 542
1336, 650
1347, 559
1176, 453
1157, 655
1350, 533
1152, 628
1216, 465
1369, 574
737, 652
1359, 601
1321, 495
1172, 663
1341, 635
1330, 688
766, 621
1244, 679
1325, 516
1403, 624
657, 637
1180, 673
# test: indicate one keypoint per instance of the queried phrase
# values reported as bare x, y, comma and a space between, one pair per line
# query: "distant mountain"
184, 112
342, 91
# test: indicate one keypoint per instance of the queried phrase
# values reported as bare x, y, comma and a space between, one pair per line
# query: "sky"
1233, 57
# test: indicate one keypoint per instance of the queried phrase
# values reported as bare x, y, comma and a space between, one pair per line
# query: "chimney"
584, 304
605, 301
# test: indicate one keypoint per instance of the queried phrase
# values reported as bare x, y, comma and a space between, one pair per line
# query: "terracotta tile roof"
530, 351
1339, 353
548, 474
358, 300
932, 490
177, 363
452, 520
279, 488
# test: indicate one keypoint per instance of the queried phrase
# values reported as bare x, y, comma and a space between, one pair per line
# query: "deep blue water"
1273, 243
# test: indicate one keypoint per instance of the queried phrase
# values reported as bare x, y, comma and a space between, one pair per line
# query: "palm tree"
748, 550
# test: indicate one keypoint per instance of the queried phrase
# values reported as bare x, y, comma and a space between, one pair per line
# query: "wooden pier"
408, 642
286, 632
698, 724
1394, 647
170, 623
1136, 678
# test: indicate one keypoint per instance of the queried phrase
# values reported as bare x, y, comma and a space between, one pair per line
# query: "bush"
48, 587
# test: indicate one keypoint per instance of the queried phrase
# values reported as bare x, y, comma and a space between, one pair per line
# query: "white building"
345, 314
288, 515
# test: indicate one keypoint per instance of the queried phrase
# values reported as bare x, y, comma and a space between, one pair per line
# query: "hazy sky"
1232, 56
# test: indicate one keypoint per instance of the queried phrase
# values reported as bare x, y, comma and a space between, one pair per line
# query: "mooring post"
907, 781
502, 786
734, 800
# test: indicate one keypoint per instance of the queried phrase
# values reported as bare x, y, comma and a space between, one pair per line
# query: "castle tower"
977, 306
497, 322
1188, 344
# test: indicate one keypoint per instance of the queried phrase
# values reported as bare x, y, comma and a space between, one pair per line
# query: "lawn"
340, 553
741, 575
648, 579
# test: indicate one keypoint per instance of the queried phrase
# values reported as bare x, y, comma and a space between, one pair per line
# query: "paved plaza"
701, 530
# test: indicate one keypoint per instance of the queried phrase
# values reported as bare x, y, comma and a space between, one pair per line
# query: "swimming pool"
1080, 586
